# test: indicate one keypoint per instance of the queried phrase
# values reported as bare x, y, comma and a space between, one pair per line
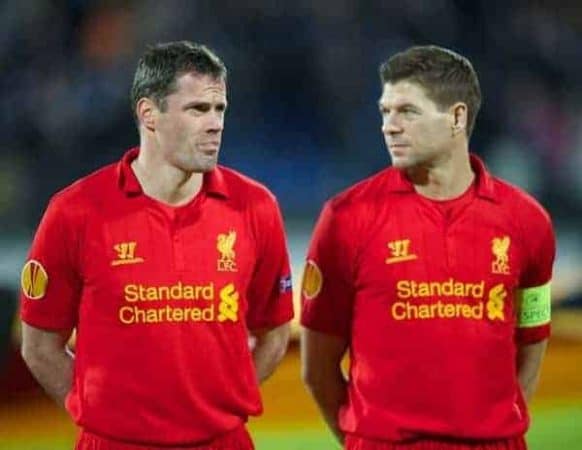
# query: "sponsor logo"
33, 280
179, 303
448, 299
399, 251
228, 306
225, 246
178, 291
312, 280
496, 302
500, 249
126, 254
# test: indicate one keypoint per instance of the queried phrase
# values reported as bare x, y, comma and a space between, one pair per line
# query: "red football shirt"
428, 303
162, 299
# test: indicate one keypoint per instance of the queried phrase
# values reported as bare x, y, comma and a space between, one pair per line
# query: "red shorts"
359, 443
239, 439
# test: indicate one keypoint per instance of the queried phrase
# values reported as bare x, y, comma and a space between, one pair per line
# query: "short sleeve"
536, 279
327, 286
50, 286
270, 295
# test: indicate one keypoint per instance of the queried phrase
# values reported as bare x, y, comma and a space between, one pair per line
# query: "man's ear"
459, 117
147, 112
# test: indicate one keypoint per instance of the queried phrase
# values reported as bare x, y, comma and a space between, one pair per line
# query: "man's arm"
269, 348
529, 361
321, 356
48, 358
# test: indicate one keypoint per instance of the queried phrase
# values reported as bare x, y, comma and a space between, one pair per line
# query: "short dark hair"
446, 77
161, 64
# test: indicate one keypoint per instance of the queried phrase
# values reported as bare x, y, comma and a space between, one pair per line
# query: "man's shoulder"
243, 187
377, 186
519, 201
87, 188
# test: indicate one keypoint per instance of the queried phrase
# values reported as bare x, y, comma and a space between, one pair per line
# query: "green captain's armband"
534, 306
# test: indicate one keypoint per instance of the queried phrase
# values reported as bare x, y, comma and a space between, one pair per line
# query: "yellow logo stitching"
500, 249
225, 246
312, 280
33, 280
496, 302
228, 306
126, 254
400, 251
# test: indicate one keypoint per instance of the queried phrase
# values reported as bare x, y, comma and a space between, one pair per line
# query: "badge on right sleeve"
33, 280
312, 280
535, 305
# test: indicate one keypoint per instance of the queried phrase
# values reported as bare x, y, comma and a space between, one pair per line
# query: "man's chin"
401, 163
206, 168
200, 166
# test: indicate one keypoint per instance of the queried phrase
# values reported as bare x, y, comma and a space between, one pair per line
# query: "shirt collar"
484, 180
213, 182
397, 181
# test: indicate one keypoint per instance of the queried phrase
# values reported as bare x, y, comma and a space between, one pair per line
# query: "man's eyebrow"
397, 106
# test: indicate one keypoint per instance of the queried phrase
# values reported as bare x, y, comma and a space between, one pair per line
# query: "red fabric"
162, 351
357, 443
427, 303
238, 439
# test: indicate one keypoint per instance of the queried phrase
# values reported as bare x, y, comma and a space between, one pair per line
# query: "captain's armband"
533, 306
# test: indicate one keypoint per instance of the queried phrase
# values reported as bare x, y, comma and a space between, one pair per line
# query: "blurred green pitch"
555, 428
291, 420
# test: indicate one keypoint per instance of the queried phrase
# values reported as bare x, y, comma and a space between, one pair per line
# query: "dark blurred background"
303, 89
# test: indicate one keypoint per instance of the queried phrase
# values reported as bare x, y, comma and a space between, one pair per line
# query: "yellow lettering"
139, 315
403, 289
465, 311
151, 293
424, 290
424, 312
131, 293
397, 310
435, 289
188, 292
175, 291
208, 292
177, 315
151, 316
460, 289
448, 287
478, 311
134, 292
125, 315
129, 315
478, 290
208, 314
410, 311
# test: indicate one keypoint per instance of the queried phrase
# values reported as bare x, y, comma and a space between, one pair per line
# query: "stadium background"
303, 119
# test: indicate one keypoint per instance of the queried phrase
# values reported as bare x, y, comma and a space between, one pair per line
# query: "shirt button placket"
178, 243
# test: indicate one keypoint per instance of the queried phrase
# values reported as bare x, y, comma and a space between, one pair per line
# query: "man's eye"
198, 108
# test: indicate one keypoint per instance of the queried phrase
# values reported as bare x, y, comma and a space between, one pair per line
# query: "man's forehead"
402, 91
193, 81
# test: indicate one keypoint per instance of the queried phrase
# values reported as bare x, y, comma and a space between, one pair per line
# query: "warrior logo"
399, 251
126, 254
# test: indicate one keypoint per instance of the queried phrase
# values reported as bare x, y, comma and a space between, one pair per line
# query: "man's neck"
164, 182
443, 181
